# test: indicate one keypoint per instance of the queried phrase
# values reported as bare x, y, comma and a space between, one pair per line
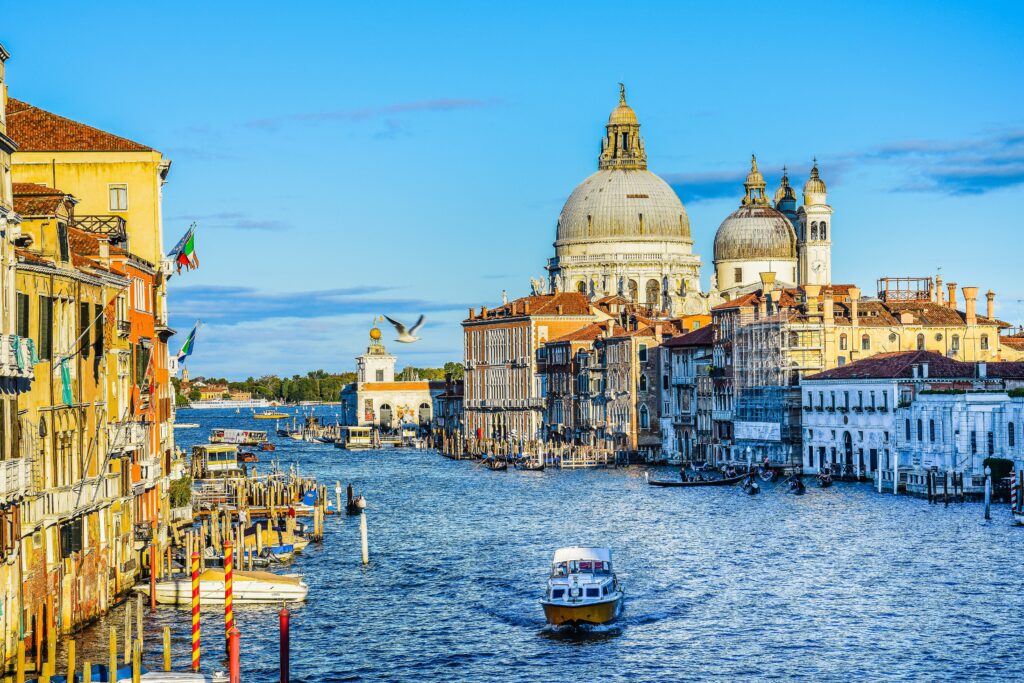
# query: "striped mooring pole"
1013, 491
229, 616
195, 612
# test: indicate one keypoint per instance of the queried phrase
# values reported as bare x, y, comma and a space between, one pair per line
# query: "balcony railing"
14, 477
151, 469
110, 226
124, 328
125, 436
15, 357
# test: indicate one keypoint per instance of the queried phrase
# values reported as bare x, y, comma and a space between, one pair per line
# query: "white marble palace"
624, 231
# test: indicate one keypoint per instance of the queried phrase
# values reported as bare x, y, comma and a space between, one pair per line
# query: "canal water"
839, 584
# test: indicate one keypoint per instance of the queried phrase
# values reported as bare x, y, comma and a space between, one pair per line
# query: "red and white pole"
195, 612
229, 616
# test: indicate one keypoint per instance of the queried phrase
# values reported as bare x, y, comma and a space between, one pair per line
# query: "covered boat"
582, 588
240, 437
246, 587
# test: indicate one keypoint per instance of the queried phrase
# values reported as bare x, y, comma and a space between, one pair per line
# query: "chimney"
526, 308
971, 305
558, 308
105, 253
471, 313
827, 311
811, 293
951, 286
658, 329
767, 281
609, 326
990, 312
940, 296
982, 370
483, 311
762, 306
924, 370
854, 310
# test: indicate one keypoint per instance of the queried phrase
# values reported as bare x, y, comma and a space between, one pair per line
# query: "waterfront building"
687, 395
212, 392
16, 376
377, 399
560, 364
448, 406
624, 232
768, 339
503, 393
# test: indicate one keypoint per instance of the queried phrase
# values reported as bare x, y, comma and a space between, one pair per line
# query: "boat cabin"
215, 460
358, 437
242, 437
581, 574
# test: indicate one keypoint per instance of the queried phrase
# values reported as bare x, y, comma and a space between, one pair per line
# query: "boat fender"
575, 592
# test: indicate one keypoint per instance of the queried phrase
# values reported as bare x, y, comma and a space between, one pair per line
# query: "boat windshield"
580, 566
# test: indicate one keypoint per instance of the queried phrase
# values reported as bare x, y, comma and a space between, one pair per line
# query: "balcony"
151, 469
14, 477
15, 357
126, 436
110, 226
124, 328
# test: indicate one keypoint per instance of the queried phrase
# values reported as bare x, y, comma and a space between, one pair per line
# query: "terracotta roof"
37, 130
29, 257
572, 303
900, 364
591, 332
1015, 342
33, 199
786, 300
702, 336
82, 242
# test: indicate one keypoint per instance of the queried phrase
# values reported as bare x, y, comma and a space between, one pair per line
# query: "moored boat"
496, 464
246, 587
699, 482
270, 415
239, 437
582, 588
355, 438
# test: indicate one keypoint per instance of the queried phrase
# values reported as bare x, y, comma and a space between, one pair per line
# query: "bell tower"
814, 233
622, 146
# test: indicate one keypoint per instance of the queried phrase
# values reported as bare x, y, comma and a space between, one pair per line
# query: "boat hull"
179, 592
593, 613
694, 484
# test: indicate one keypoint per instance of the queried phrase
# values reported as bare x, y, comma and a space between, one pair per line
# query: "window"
45, 341
920, 342
645, 418
642, 353
920, 431
1011, 436
22, 324
984, 342
821, 232
990, 442
62, 241
83, 329
906, 425
814, 231
664, 382
931, 430
842, 342
737, 274
974, 442
100, 319
955, 343
865, 343
643, 382
118, 197
380, 376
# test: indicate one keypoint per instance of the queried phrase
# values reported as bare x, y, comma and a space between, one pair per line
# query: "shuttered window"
45, 328
22, 322
101, 321
83, 328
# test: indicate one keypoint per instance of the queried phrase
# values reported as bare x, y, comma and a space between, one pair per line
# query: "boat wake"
582, 632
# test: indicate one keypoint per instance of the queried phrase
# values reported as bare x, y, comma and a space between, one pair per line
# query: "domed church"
624, 231
794, 244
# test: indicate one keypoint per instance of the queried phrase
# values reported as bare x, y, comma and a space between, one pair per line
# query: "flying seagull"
406, 336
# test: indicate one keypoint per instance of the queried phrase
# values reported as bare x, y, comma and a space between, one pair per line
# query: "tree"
193, 395
455, 370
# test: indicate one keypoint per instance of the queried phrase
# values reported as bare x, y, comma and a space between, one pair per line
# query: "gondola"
796, 486
530, 465
496, 464
751, 487
708, 482
824, 480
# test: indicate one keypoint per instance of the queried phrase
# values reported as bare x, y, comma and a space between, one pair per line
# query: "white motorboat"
582, 588
246, 587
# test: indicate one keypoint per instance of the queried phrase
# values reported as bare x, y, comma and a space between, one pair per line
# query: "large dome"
755, 232
623, 205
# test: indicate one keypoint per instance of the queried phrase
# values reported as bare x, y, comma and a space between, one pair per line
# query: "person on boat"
682, 475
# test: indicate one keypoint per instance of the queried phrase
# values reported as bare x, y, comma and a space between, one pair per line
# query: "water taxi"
355, 438
241, 437
582, 588
215, 461
247, 587
269, 415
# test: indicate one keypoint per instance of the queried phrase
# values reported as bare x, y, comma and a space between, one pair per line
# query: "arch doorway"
848, 449
424, 414
385, 416
653, 293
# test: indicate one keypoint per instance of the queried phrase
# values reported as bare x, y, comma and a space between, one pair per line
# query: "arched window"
643, 382
920, 342
842, 342
931, 430
814, 231
645, 418
920, 430
653, 293
865, 343
984, 342
581, 287
955, 343
1011, 436
906, 425
821, 233
634, 290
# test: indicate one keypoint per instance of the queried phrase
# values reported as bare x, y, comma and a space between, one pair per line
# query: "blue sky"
349, 159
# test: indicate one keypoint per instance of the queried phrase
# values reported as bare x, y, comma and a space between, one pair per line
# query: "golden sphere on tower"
375, 334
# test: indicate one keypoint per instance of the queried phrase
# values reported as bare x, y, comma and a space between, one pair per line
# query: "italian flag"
185, 251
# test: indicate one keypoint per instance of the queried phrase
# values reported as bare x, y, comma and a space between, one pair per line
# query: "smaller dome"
755, 232
623, 115
375, 333
785, 191
754, 178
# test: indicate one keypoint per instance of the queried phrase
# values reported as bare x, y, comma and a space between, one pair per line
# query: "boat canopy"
582, 553
211, 448
359, 431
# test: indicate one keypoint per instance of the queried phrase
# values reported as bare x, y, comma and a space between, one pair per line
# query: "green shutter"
83, 328
45, 328
101, 321
23, 329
